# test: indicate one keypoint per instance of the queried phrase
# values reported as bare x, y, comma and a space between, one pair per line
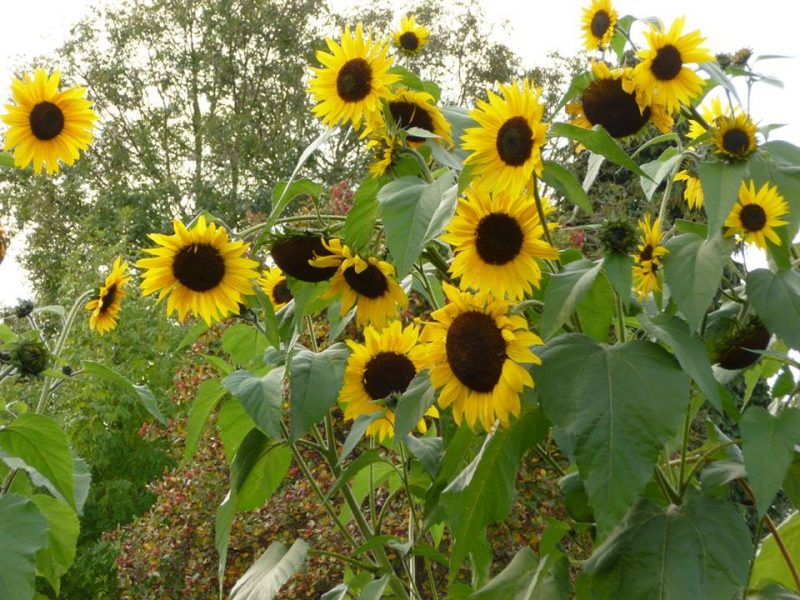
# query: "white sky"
532, 28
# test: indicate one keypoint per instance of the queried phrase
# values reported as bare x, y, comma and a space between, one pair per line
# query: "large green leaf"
82, 478
768, 448
261, 397
700, 549
414, 212
619, 269
770, 564
55, 559
528, 578
244, 343
315, 381
688, 349
286, 191
259, 467
413, 405
264, 579
565, 291
140, 393
361, 217
563, 180
598, 141
776, 299
720, 181
659, 170
234, 424
41, 443
483, 493
693, 269
209, 394
597, 308
23, 532
616, 407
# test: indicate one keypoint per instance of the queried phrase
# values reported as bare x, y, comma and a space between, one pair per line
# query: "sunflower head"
104, 307
498, 241
693, 192
475, 353
414, 109
275, 286
200, 270
599, 20
292, 253
23, 309
506, 147
410, 37
353, 79
756, 215
618, 236
47, 125
734, 137
367, 283
385, 148
663, 75
30, 357
649, 258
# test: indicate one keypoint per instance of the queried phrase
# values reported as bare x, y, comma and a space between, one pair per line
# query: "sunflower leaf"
770, 565
261, 397
264, 579
658, 170
776, 300
565, 291
563, 180
141, 393
599, 396
55, 559
720, 183
598, 141
361, 217
619, 269
23, 532
413, 405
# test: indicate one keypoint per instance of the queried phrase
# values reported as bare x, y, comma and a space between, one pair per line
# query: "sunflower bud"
618, 236
30, 357
23, 309
724, 60
741, 57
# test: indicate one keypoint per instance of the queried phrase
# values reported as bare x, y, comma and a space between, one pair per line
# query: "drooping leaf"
413, 405
361, 217
598, 141
140, 393
414, 212
315, 381
720, 181
770, 564
596, 309
527, 577
244, 343
209, 394
23, 532
234, 424
261, 397
39, 442
286, 191
776, 299
768, 448
563, 180
53, 560
428, 450
658, 170
615, 407
264, 579
693, 270
564, 292
700, 549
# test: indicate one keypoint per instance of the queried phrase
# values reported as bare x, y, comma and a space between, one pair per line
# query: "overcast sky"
531, 28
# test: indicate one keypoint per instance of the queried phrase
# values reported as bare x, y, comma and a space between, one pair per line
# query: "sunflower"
105, 307
275, 286
649, 259
410, 108
385, 149
410, 38
506, 148
354, 78
756, 214
292, 253
599, 21
497, 239
709, 113
662, 76
693, 193
734, 137
200, 269
367, 283
605, 102
475, 355
47, 125
378, 372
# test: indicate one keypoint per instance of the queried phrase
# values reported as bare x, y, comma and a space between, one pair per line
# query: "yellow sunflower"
378, 372
599, 20
47, 125
369, 284
663, 76
385, 149
755, 216
275, 286
354, 77
734, 137
649, 259
497, 240
475, 354
411, 37
709, 112
410, 108
292, 253
605, 102
506, 148
200, 269
105, 307
693, 192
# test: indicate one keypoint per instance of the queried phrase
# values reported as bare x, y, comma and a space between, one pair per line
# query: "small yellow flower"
411, 37
693, 192
599, 20
755, 216
649, 259
105, 306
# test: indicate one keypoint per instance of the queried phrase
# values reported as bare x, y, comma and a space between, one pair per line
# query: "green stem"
426, 284
348, 559
683, 484
540, 209
545, 454
663, 208
759, 530
666, 486
621, 336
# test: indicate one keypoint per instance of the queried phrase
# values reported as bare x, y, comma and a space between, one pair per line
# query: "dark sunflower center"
108, 299
498, 238
371, 282
667, 63
476, 351
515, 141
600, 23
409, 41
200, 267
388, 373
408, 114
605, 103
753, 217
292, 255
646, 254
281, 293
46, 120
354, 81
735, 141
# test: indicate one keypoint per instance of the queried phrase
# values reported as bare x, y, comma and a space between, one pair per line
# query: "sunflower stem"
621, 336
427, 284
542, 218
423, 165
684, 484
667, 193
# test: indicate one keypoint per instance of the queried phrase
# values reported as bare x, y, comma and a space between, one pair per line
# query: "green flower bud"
618, 236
